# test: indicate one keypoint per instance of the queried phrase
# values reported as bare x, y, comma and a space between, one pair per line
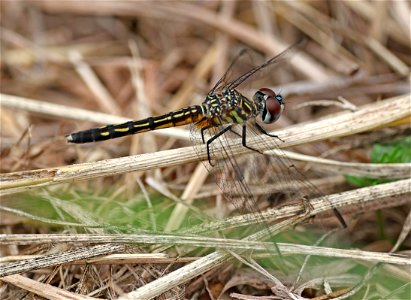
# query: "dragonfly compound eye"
273, 105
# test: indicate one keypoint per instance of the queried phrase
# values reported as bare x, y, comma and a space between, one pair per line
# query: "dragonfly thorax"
227, 107
270, 105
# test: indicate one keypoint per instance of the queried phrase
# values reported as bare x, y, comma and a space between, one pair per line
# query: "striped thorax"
228, 107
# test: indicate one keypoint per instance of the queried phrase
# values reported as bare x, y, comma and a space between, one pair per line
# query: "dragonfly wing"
250, 71
236, 180
253, 182
265, 67
230, 73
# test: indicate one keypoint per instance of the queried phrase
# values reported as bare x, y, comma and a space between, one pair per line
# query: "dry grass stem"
400, 170
59, 258
342, 124
157, 214
77, 114
204, 264
43, 290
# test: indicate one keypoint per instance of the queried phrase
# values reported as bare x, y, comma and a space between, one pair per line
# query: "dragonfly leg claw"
263, 131
244, 140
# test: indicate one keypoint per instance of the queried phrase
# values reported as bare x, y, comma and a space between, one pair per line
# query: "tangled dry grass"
118, 219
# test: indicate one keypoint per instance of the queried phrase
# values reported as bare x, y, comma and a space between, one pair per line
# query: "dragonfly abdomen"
179, 117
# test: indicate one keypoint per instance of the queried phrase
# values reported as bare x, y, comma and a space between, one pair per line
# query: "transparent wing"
230, 73
232, 175
248, 67
272, 62
252, 184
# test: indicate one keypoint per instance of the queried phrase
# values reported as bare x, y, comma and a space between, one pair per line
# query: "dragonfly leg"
340, 218
263, 131
244, 140
202, 133
212, 139
236, 133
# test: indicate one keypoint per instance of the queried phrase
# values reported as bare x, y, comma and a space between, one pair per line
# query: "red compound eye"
273, 105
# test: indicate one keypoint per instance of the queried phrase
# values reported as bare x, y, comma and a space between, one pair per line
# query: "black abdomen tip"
86, 136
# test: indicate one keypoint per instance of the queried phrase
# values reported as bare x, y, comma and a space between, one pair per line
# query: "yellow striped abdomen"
179, 117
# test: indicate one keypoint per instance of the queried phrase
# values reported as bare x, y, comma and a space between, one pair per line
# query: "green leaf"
397, 152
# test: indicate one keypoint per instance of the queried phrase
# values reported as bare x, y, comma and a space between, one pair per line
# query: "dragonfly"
223, 106
223, 110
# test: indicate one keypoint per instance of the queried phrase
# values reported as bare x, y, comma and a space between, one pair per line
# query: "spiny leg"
263, 131
236, 133
212, 139
244, 140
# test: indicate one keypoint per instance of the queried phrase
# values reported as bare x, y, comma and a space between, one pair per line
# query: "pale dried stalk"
394, 170
58, 259
301, 15
288, 211
206, 263
366, 10
357, 197
244, 33
90, 78
44, 290
157, 258
385, 54
328, 42
135, 258
203, 67
78, 114
193, 187
366, 118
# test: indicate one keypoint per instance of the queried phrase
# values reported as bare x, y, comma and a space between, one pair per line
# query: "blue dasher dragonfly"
223, 110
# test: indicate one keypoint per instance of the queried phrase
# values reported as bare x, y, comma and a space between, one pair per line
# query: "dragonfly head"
271, 105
